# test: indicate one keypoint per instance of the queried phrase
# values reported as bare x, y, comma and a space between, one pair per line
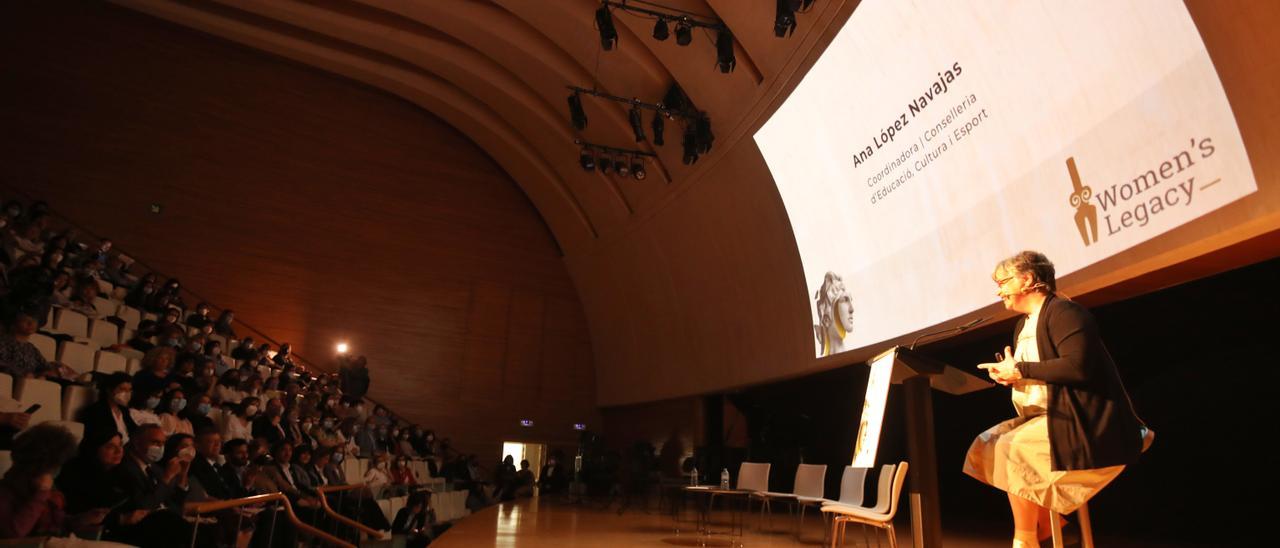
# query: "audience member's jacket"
97, 419
211, 481
144, 490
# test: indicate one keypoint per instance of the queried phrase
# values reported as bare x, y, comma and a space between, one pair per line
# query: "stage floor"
534, 523
538, 523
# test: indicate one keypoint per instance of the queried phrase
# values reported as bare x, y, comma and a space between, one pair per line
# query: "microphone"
956, 329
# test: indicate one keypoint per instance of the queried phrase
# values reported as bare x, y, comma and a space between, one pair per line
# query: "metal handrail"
324, 503
214, 506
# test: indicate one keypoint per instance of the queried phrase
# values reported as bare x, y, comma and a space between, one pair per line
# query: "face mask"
404, 437
188, 453
178, 405
221, 460
154, 454
152, 403
431, 438
148, 290
337, 457
251, 411
395, 433
382, 466
328, 425
122, 398
174, 343
195, 346
204, 408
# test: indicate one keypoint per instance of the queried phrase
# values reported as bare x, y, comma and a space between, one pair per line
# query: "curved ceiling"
497, 71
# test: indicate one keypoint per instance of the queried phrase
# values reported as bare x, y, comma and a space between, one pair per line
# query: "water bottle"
693, 477
724, 478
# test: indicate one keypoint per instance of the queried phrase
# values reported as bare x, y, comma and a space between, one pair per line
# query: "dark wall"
319, 209
1198, 361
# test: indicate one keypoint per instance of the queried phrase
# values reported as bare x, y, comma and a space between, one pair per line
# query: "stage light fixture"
576, 114
637, 122
587, 160
660, 29
659, 126
690, 144
637, 169
342, 348
606, 165
684, 32
622, 167
725, 58
703, 136
604, 23
784, 19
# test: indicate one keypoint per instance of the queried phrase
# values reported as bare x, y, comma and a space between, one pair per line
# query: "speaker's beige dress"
1013, 456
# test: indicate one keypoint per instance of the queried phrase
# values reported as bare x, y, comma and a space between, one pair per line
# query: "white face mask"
251, 411
221, 460
122, 398
154, 454
188, 453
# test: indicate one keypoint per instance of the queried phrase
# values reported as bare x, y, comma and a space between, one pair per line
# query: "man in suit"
207, 479
146, 519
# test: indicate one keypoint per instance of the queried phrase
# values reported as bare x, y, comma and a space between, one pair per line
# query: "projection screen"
933, 138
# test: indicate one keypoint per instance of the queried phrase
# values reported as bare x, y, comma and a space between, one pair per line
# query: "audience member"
111, 412
29, 504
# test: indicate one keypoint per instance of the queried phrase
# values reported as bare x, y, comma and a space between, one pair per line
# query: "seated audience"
111, 412
29, 504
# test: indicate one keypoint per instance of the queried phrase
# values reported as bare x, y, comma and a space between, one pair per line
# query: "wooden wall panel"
321, 210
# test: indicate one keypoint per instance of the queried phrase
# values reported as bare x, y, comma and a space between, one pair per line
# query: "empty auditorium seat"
119, 293
76, 356
105, 288
48, 394
110, 362
130, 315
6, 386
132, 365
75, 397
71, 323
125, 335
131, 353
221, 340
46, 345
103, 333
105, 307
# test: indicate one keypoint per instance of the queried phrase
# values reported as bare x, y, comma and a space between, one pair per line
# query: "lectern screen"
933, 138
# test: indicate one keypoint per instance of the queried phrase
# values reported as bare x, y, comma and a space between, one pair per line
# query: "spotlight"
684, 32
637, 123
587, 160
637, 169
342, 348
660, 30
576, 114
622, 168
659, 125
604, 23
725, 59
606, 165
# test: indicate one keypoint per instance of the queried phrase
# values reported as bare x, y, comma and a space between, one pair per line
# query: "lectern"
918, 374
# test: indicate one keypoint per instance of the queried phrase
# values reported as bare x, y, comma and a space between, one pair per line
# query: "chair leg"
893, 536
1055, 525
1086, 526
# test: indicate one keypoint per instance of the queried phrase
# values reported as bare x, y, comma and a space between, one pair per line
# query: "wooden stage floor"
535, 523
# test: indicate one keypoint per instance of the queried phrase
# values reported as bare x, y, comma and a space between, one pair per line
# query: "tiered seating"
70, 322
76, 356
105, 307
103, 333
48, 394
47, 346
110, 362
